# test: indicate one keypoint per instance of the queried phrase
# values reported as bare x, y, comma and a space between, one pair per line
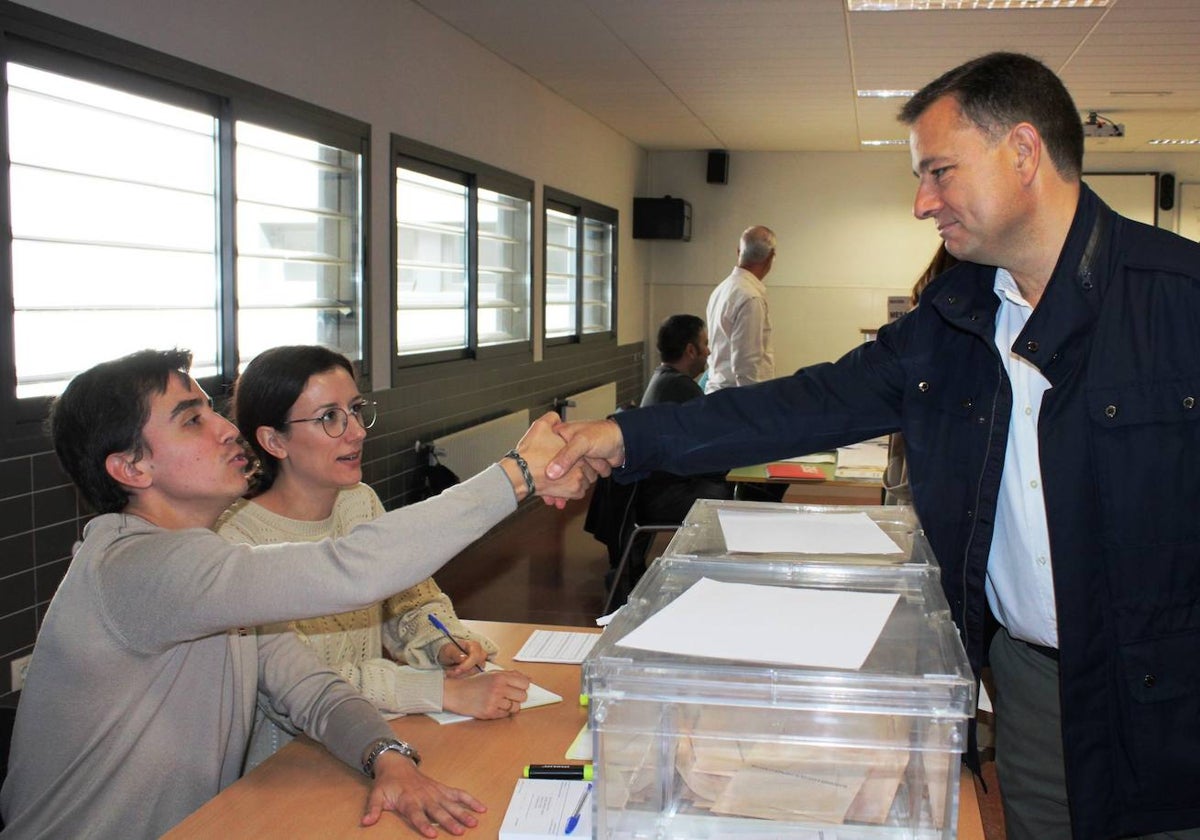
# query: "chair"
895, 477
8, 717
619, 576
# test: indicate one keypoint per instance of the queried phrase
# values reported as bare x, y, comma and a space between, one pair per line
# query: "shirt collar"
1006, 289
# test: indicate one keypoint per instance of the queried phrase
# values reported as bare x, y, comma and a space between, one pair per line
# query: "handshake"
565, 459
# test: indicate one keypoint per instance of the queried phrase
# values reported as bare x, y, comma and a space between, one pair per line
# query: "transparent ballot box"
704, 744
701, 534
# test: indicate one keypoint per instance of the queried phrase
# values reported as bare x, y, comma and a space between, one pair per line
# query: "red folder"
795, 471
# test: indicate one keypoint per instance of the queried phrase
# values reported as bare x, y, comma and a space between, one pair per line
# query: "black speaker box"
662, 218
1166, 191
718, 167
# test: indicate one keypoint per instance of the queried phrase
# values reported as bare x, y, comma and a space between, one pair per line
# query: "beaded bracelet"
523, 466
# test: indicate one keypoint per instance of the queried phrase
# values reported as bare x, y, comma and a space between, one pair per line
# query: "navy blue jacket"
1117, 334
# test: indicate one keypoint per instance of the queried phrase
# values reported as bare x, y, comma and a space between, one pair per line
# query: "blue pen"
574, 820
434, 621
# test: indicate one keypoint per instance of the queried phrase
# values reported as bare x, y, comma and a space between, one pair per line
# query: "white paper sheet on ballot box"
819, 628
792, 532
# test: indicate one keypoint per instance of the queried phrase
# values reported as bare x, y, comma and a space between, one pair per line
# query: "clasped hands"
565, 459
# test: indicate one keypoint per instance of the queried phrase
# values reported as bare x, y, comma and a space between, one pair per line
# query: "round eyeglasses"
335, 421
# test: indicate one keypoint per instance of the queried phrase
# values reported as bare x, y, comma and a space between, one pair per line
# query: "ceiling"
782, 75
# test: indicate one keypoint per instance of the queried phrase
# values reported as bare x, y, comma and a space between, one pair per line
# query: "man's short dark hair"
675, 334
999, 90
104, 410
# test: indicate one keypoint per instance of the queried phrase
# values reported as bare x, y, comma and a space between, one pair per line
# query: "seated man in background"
665, 498
141, 693
662, 498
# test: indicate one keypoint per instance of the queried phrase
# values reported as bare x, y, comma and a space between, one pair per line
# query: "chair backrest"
895, 475
8, 717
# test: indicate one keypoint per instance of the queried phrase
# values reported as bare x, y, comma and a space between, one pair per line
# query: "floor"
540, 566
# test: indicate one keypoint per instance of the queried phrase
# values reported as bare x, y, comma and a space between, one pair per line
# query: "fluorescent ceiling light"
885, 94
1175, 141
940, 5
885, 142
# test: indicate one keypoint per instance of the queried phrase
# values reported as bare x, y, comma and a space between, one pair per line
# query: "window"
462, 255
580, 269
122, 202
114, 240
299, 255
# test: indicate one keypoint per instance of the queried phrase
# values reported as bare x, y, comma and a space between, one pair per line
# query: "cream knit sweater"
362, 644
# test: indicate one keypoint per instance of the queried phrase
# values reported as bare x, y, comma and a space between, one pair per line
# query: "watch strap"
383, 745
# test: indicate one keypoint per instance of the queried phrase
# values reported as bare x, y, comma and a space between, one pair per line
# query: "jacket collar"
1068, 306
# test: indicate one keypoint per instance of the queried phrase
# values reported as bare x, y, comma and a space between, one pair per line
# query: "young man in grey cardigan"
140, 697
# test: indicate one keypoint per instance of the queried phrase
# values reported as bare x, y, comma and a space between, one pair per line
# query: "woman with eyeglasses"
300, 410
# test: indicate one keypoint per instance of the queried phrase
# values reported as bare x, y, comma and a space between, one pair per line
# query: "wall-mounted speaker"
718, 167
662, 218
1166, 191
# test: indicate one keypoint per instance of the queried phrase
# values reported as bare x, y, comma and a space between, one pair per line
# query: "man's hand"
496, 694
417, 799
595, 445
537, 447
457, 665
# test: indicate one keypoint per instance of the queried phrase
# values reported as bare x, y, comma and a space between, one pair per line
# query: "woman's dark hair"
267, 390
942, 260
104, 410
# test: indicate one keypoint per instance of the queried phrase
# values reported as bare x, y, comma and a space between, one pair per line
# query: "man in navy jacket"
1047, 391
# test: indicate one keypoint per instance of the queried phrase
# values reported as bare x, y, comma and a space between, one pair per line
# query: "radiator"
471, 450
592, 404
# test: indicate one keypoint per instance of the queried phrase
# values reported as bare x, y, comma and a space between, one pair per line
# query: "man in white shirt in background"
739, 324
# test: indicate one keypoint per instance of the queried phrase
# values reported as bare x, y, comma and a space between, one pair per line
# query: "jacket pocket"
1145, 441
1160, 679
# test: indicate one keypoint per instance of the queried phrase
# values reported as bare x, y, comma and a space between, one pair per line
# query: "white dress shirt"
739, 333
1020, 584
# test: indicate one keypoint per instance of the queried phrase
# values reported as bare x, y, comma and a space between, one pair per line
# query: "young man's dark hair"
675, 334
999, 90
103, 410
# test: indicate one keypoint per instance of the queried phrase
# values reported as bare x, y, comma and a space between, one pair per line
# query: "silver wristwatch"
383, 745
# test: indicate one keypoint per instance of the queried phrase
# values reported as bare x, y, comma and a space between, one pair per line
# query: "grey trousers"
1029, 758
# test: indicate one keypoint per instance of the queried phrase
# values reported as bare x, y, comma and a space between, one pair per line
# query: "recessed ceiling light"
885, 94
1175, 141
885, 142
941, 5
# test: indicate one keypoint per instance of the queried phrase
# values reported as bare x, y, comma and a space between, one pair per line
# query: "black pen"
434, 621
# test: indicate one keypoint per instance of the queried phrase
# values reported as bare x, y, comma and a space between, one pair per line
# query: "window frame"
416, 156
584, 210
44, 41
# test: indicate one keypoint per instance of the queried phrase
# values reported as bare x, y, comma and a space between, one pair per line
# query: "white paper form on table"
820, 628
792, 532
556, 646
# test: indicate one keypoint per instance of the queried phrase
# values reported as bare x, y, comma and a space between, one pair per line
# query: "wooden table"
831, 491
303, 792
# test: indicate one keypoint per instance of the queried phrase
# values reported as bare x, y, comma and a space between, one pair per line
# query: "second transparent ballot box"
696, 740
702, 535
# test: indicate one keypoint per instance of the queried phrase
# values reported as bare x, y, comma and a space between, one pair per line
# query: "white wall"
847, 237
393, 65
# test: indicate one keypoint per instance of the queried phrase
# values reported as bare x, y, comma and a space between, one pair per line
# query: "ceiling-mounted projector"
1098, 126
